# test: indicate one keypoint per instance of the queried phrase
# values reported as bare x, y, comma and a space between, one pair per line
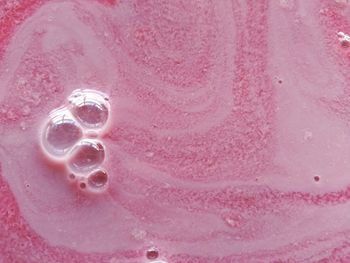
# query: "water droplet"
86, 156
98, 179
152, 253
90, 107
60, 133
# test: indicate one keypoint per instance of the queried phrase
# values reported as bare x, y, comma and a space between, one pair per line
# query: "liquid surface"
174, 131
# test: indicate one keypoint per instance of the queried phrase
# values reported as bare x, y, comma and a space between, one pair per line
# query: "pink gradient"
228, 135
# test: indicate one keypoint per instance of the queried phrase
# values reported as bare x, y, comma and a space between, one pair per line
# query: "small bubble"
98, 179
26, 110
152, 253
60, 133
87, 155
82, 185
90, 107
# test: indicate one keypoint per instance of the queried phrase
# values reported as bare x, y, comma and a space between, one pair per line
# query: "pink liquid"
228, 136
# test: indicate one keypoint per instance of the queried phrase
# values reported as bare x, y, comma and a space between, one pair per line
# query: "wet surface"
174, 131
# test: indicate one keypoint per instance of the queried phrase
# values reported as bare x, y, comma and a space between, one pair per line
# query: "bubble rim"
43, 134
99, 97
70, 154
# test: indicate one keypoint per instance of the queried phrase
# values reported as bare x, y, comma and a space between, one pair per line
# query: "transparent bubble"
71, 177
90, 107
60, 133
152, 253
86, 156
82, 185
97, 180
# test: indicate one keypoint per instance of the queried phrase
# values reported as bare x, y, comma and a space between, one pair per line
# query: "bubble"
97, 180
152, 253
71, 177
90, 107
86, 156
60, 133
82, 185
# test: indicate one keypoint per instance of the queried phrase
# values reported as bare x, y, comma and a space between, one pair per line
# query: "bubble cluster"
72, 135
